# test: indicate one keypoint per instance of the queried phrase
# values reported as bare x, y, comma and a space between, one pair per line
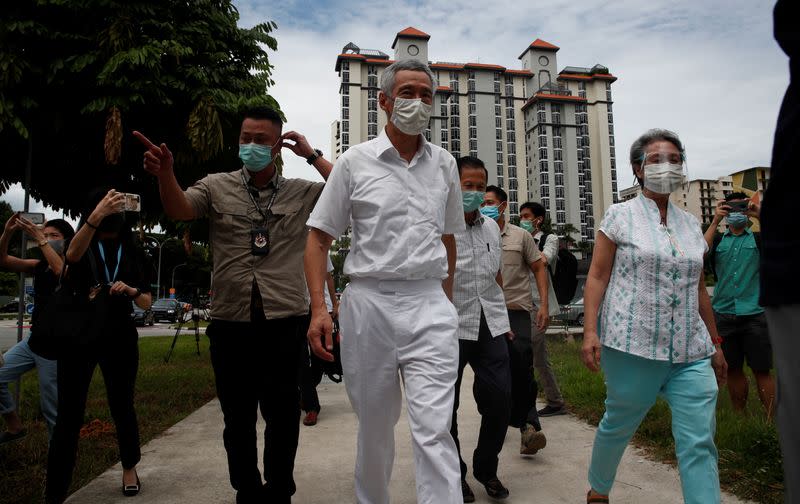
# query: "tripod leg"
197, 334
174, 340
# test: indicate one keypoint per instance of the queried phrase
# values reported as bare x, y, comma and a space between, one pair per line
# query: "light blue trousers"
19, 360
632, 386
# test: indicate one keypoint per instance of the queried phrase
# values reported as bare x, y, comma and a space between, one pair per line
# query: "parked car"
166, 309
571, 314
142, 317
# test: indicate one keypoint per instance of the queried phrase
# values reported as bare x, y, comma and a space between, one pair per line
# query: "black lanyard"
268, 211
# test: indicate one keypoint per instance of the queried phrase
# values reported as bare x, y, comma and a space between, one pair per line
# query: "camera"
738, 206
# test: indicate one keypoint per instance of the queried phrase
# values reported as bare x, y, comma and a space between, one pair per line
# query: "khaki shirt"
519, 252
281, 281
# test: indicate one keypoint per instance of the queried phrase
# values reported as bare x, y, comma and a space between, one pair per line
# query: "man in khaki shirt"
260, 306
520, 256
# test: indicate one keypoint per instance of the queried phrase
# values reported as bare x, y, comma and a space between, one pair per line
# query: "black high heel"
132, 490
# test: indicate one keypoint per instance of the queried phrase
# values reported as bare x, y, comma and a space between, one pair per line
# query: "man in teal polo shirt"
734, 256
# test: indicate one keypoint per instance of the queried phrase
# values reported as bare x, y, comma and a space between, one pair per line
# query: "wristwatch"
43, 243
313, 157
138, 293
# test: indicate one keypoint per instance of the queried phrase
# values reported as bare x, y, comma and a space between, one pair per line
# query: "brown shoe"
595, 498
531, 440
311, 418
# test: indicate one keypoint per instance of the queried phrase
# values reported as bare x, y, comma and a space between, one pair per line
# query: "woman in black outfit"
117, 280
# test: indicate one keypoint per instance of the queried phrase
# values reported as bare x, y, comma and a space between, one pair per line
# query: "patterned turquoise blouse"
650, 308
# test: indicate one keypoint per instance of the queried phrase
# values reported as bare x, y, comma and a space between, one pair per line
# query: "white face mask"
663, 178
411, 116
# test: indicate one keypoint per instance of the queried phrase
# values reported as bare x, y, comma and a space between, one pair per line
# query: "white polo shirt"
475, 288
398, 210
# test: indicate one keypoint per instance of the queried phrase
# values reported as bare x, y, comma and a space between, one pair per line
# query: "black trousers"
255, 367
488, 358
523, 383
119, 363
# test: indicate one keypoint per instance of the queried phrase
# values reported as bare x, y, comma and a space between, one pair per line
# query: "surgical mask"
663, 178
255, 157
527, 225
491, 211
57, 245
471, 200
411, 116
737, 219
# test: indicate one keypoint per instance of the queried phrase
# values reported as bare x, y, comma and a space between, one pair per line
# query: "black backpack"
565, 276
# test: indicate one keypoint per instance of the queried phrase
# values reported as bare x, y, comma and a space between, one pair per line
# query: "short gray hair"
650, 136
390, 73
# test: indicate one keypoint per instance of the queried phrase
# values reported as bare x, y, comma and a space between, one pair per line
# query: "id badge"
259, 241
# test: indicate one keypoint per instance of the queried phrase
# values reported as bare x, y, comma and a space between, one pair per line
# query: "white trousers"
407, 326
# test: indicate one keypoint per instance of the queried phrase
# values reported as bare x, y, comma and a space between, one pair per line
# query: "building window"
346, 76
582, 90
543, 166
372, 117
345, 101
372, 81
372, 105
473, 145
544, 178
372, 131
558, 167
512, 159
455, 134
499, 146
345, 125
560, 206
541, 116
560, 192
471, 97
561, 217
345, 138
545, 191
473, 132
473, 121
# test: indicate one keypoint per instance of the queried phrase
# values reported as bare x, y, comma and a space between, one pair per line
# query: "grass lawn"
749, 454
165, 394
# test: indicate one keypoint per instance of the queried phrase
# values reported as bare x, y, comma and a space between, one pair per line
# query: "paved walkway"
187, 464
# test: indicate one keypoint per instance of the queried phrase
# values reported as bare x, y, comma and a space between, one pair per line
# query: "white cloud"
709, 70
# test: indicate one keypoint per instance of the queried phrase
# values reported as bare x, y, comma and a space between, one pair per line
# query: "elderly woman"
654, 333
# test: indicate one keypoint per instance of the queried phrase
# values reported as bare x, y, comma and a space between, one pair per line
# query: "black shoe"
466, 491
7, 437
132, 490
495, 489
552, 411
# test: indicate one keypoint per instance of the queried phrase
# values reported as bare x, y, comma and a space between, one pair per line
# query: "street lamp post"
160, 244
173, 274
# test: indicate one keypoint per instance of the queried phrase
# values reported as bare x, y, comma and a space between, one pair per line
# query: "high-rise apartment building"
544, 135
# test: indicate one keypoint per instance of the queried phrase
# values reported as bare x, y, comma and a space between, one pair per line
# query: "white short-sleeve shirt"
475, 288
650, 308
398, 210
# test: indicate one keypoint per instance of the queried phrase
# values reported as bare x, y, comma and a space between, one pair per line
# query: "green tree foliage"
77, 77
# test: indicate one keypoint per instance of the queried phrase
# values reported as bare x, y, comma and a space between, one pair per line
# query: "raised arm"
711, 232
303, 149
10, 262
158, 161
111, 203
53, 258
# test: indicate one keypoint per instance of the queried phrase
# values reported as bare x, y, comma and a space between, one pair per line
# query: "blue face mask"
491, 211
737, 219
471, 200
255, 157
526, 225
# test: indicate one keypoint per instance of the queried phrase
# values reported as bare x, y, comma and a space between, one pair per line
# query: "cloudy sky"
709, 70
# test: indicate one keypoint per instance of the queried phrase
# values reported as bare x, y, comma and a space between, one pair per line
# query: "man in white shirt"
403, 198
531, 215
482, 330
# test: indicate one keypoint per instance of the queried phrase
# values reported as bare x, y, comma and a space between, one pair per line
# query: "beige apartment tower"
544, 135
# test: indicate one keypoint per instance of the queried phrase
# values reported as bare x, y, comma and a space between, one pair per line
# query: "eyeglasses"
663, 157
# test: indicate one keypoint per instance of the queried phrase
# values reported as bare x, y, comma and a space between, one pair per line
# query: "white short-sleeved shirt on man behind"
475, 289
398, 210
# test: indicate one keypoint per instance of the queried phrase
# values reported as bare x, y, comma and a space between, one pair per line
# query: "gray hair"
654, 135
390, 73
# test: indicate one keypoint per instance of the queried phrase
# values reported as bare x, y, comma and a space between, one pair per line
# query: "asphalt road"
8, 332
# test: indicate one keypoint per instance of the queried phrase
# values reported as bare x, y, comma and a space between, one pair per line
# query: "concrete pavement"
187, 464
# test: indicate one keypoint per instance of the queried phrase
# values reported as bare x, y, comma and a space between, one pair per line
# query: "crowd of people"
439, 279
